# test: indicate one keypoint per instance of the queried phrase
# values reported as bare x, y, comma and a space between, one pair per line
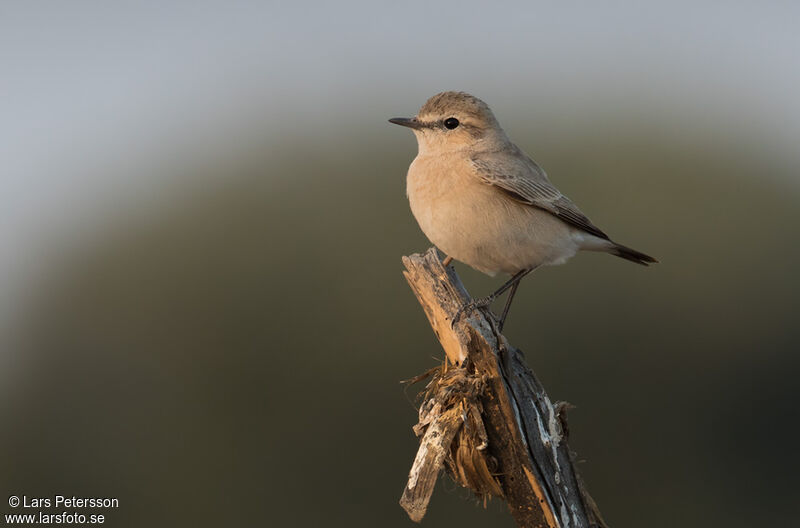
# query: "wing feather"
522, 179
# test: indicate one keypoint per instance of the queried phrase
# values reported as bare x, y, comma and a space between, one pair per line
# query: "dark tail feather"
632, 255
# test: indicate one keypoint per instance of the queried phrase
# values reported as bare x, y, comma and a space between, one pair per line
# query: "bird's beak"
406, 122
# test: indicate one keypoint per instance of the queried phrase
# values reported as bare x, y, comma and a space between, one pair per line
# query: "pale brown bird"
484, 202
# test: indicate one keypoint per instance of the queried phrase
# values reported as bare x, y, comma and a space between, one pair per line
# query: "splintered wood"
453, 435
487, 419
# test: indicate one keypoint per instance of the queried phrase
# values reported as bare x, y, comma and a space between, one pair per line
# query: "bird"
484, 202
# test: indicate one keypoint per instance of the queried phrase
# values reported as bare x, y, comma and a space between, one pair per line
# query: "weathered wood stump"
486, 418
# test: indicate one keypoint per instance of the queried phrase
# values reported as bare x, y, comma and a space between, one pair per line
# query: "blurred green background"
204, 313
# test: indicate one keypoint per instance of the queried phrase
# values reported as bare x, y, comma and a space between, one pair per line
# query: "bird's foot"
479, 304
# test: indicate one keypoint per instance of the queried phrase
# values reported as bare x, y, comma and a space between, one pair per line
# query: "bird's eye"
450, 123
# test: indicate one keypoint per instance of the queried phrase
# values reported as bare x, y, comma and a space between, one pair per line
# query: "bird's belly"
476, 224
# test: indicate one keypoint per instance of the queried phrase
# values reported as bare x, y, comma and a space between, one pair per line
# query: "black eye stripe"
450, 123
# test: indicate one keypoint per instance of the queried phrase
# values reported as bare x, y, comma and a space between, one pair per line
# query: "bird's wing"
522, 179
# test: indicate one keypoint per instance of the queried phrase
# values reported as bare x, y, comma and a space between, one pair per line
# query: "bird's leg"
487, 301
447, 260
508, 305
516, 280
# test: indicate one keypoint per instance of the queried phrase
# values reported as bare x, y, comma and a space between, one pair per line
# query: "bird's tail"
631, 254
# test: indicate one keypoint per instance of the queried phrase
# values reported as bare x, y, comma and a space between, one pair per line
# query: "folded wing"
523, 180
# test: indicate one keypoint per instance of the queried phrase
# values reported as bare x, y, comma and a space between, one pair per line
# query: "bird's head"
451, 121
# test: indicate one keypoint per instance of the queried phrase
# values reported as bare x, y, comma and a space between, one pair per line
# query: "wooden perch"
487, 419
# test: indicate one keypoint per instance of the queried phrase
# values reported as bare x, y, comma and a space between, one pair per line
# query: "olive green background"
236, 356
230, 353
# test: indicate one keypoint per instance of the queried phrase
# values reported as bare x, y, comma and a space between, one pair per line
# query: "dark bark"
521, 435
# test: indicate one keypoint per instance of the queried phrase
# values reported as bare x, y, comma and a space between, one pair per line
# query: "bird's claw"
474, 304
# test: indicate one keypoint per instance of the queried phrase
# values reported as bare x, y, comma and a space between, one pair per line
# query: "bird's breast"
454, 208
479, 225
441, 195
